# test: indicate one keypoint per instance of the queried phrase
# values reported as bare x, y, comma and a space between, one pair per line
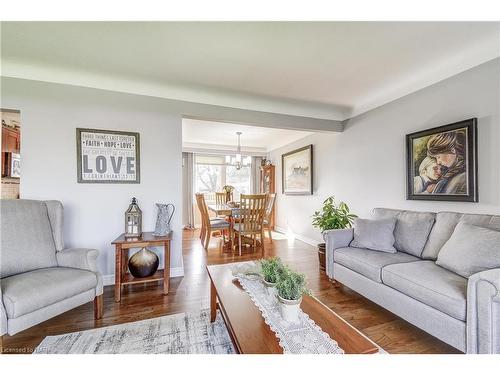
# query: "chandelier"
238, 160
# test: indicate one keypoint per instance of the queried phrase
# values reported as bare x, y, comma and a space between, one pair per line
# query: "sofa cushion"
369, 263
374, 234
412, 228
30, 291
428, 283
470, 249
26, 241
445, 224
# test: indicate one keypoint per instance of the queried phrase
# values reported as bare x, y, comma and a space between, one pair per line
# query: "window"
212, 173
240, 179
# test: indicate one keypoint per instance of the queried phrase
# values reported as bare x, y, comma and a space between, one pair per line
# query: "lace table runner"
302, 337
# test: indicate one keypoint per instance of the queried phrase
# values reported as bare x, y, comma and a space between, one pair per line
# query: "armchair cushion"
27, 242
30, 291
85, 259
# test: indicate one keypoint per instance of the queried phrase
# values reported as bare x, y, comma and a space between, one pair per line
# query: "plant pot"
270, 288
322, 256
290, 309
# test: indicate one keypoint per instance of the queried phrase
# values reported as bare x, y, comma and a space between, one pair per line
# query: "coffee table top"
251, 334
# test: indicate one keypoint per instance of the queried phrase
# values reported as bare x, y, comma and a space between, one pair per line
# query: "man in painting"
448, 150
429, 174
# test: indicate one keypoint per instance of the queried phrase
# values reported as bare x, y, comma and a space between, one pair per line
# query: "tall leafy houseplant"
331, 216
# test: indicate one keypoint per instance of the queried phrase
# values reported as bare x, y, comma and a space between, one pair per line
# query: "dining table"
223, 209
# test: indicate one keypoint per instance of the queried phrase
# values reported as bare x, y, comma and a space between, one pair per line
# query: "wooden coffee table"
248, 330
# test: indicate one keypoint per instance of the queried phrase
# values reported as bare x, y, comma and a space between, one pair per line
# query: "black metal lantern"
133, 220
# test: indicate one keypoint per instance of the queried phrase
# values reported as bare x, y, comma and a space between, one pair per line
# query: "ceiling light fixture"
238, 160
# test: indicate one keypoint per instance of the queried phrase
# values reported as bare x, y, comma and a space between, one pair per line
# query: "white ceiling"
218, 136
331, 70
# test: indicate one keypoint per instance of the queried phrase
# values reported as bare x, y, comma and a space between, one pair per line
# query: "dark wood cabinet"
11, 143
10, 140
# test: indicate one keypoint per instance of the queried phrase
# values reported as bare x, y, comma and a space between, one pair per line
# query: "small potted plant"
271, 270
291, 286
331, 216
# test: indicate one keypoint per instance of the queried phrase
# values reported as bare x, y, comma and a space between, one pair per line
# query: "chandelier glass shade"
238, 160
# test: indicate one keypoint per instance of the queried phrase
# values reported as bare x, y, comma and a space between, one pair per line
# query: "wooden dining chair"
220, 198
271, 198
251, 219
208, 226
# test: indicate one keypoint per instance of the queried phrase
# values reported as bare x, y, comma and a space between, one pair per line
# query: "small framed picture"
107, 156
297, 171
15, 165
442, 163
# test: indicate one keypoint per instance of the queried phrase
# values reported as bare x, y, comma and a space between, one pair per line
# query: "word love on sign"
107, 156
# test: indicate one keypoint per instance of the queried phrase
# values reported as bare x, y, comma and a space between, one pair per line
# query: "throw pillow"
470, 249
374, 234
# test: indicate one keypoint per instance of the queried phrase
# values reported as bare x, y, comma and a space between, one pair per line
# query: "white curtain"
188, 177
255, 174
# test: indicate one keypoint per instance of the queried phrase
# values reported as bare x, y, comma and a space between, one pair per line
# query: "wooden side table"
122, 246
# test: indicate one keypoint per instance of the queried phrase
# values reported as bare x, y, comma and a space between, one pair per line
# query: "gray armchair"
39, 278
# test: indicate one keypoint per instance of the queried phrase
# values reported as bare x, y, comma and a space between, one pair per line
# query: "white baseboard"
299, 237
174, 272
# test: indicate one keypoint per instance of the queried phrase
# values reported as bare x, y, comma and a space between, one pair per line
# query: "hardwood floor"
191, 292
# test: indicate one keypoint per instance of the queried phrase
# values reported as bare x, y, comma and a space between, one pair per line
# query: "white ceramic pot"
290, 309
270, 288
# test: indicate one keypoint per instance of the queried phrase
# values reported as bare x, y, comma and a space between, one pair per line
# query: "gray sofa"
39, 277
464, 313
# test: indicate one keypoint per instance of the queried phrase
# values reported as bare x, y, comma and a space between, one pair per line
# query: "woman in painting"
429, 173
448, 150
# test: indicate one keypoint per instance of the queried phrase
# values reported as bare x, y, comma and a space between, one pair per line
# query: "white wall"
94, 213
365, 165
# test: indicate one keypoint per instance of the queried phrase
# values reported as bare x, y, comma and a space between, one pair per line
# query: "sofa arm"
3, 315
336, 238
483, 312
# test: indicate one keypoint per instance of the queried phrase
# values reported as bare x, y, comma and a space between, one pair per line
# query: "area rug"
185, 333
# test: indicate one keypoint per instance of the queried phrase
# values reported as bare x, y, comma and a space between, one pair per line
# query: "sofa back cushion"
445, 225
412, 228
27, 241
470, 249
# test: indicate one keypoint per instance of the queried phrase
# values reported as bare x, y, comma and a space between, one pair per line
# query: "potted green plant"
331, 216
271, 270
291, 286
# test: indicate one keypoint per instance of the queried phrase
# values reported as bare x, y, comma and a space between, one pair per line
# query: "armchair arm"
85, 259
336, 238
3, 315
483, 312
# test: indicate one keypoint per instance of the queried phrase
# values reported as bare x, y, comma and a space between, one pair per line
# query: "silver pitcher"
165, 213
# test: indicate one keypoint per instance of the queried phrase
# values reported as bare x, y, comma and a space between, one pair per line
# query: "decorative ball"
144, 263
